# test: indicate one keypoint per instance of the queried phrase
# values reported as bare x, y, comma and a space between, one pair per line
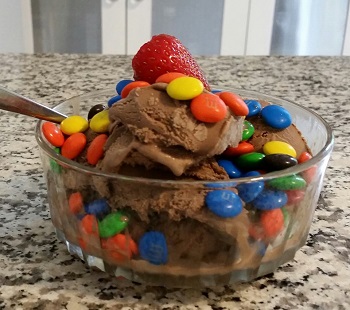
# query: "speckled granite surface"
36, 272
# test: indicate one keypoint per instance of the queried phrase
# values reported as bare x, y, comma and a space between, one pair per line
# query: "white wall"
15, 34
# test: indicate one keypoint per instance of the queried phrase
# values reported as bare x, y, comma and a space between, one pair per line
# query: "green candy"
248, 130
250, 161
289, 182
112, 224
55, 167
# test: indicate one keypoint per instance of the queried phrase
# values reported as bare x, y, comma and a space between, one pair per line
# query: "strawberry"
165, 53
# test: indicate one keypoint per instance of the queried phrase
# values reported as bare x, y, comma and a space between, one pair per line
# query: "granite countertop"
36, 271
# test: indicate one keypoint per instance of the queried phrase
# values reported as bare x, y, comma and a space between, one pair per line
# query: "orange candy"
75, 202
95, 149
168, 77
242, 148
310, 173
53, 134
89, 225
235, 103
303, 157
120, 247
74, 145
208, 108
272, 222
126, 90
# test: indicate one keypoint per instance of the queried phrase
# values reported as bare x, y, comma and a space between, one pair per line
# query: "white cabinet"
245, 27
206, 27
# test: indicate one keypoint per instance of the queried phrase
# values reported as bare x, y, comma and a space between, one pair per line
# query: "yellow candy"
74, 124
100, 122
279, 147
184, 88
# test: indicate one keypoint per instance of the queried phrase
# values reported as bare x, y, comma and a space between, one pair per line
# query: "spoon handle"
13, 102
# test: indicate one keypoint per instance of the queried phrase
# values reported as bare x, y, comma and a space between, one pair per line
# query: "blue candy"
114, 100
224, 203
249, 191
270, 199
121, 84
230, 168
153, 248
98, 207
253, 106
276, 116
215, 91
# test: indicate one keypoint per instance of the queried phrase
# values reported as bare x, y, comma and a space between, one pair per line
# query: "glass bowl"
182, 248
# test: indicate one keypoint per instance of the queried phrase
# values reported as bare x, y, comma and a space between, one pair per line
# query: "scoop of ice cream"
164, 131
263, 133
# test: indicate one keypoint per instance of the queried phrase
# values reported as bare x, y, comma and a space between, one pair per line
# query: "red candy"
242, 148
127, 89
208, 108
120, 247
95, 149
235, 103
74, 145
75, 202
53, 134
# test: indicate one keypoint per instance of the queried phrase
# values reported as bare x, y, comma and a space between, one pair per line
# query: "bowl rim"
65, 162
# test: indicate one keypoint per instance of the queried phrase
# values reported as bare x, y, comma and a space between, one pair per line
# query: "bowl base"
234, 277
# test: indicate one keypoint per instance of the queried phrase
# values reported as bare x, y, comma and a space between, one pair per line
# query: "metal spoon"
10, 101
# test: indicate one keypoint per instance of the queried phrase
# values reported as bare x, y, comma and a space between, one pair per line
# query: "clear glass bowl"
204, 249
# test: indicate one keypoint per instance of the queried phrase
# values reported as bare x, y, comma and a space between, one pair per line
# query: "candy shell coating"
249, 191
153, 248
208, 108
289, 182
55, 167
100, 122
134, 84
254, 107
95, 150
230, 168
235, 103
98, 207
74, 124
248, 130
121, 84
184, 88
120, 247
270, 199
224, 203
112, 224
168, 77
272, 222
275, 162
113, 100
75, 202
243, 147
276, 116
94, 110
89, 225
250, 161
73, 145
53, 134
279, 147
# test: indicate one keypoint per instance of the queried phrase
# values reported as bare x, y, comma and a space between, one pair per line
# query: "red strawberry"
162, 54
